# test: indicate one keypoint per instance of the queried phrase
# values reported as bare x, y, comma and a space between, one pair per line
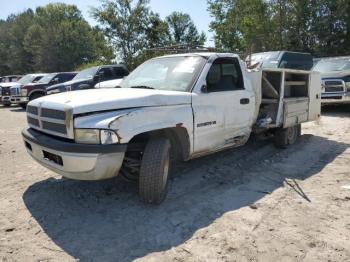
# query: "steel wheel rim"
166, 170
291, 133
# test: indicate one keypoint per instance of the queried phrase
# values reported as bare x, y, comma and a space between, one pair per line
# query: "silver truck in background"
335, 73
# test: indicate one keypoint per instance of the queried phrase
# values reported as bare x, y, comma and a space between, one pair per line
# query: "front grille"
51, 121
334, 86
15, 91
5, 91
32, 110
51, 113
334, 89
333, 82
33, 121
54, 127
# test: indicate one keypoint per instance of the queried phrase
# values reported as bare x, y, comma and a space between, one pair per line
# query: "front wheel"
287, 136
153, 181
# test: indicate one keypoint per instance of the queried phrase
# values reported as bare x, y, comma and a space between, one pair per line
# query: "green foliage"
157, 32
183, 31
56, 37
133, 28
124, 22
53, 38
18, 58
317, 26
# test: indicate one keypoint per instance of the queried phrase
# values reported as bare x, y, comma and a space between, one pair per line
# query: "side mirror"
204, 88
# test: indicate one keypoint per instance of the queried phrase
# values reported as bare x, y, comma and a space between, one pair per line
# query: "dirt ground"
254, 203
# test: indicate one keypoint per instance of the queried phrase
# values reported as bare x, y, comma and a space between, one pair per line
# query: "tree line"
56, 37
320, 27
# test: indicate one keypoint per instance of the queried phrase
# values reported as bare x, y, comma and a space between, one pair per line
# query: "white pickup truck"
172, 107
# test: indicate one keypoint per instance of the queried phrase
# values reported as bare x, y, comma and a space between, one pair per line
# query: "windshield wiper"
142, 87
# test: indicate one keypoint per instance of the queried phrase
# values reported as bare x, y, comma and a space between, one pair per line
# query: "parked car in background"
281, 59
10, 78
5, 88
88, 78
335, 73
22, 95
109, 84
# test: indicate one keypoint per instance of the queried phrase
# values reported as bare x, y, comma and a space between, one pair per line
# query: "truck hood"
9, 84
336, 74
95, 100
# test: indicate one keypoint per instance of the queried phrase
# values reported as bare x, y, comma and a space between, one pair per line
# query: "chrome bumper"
5, 100
19, 99
336, 98
75, 161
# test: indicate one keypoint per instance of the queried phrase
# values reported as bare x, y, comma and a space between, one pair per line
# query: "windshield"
87, 73
26, 79
46, 79
166, 73
332, 65
267, 60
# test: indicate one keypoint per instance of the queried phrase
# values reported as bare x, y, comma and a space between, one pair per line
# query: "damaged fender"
128, 123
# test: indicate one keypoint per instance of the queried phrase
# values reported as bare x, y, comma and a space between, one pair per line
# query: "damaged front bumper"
75, 161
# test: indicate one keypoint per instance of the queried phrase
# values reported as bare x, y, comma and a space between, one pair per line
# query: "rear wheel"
287, 136
153, 181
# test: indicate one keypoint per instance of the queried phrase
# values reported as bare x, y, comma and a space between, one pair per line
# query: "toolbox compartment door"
296, 111
315, 91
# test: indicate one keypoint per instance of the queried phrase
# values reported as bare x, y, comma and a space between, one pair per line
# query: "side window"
120, 72
36, 79
61, 78
225, 75
296, 61
107, 73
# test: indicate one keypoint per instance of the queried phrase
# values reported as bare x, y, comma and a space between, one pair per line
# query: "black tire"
286, 136
24, 106
7, 104
299, 130
154, 172
35, 96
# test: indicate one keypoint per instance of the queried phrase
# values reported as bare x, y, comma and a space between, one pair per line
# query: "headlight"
95, 136
24, 92
348, 86
87, 136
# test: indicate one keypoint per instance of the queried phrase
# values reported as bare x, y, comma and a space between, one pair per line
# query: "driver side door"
222, 109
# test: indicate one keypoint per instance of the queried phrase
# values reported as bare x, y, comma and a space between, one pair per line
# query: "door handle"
244, 101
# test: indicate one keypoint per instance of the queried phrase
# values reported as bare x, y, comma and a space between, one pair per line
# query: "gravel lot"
254, 203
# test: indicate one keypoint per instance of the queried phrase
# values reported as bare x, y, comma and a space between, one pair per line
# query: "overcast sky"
197, 9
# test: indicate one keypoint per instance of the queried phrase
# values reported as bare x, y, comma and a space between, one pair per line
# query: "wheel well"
179, 139
36, 92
